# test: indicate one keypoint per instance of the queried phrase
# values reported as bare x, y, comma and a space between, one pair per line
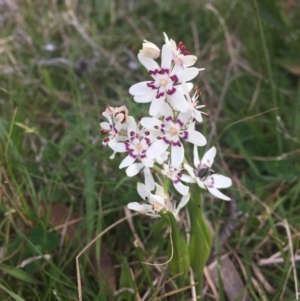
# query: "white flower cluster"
157, 142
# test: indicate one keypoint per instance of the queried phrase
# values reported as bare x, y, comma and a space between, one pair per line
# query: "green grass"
55, 170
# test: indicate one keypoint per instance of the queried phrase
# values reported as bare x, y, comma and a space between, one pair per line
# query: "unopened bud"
150, 50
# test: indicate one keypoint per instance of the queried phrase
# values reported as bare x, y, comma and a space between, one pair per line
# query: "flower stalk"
155, 147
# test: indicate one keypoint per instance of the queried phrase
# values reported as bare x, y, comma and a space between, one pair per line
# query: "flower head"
170, 131
157, 202
205, 177
163, 87
180, 55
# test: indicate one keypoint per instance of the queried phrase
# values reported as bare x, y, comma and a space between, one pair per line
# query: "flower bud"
150, 50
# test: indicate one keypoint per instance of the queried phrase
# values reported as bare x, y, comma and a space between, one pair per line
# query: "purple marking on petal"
176, 181
210, 183
151, 85
164, 71
176, 143
163, 131
153, 72
169, 118
166, 140
174, 78
132, 155
171, 91
180, 122
143, 156
127, 146
185, 135
159, 94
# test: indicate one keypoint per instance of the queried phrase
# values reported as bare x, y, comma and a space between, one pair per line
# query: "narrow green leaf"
12, 294
180, 262
200, 239
18, 273
127, 282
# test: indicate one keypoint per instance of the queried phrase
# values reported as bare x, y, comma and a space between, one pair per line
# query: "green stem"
269, 69
200, 239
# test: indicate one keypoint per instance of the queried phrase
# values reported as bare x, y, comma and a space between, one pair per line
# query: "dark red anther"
106, 139
104, 132
132, 133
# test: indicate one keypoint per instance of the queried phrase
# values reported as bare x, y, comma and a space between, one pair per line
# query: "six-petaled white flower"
157, 202
136, 145
163, 86
181, 57
205, 177
170, 131
193, 104
177, 175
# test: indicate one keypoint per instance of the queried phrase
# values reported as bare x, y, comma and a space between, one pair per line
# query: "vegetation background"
62, 63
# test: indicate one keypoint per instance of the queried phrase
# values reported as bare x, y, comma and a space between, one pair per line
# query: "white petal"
159, 190
221, 181
198, 116
196, 138
187, 74
139, 207
134, 169
105, 126
140, 88
147, 62
200, 183
143, 191
190, 170
209, 156
107, 116
112, 156
184, 116
166, 38
188, 179
183, 202
173, 45
182, 189
150, 123
117, 147
156, 149
157, 199
196, 156
156, 105
184, 88
127, 161
178, 101
147, 97
147, 162
188, 60
177, 155
166, 57
218, 194
149, 180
